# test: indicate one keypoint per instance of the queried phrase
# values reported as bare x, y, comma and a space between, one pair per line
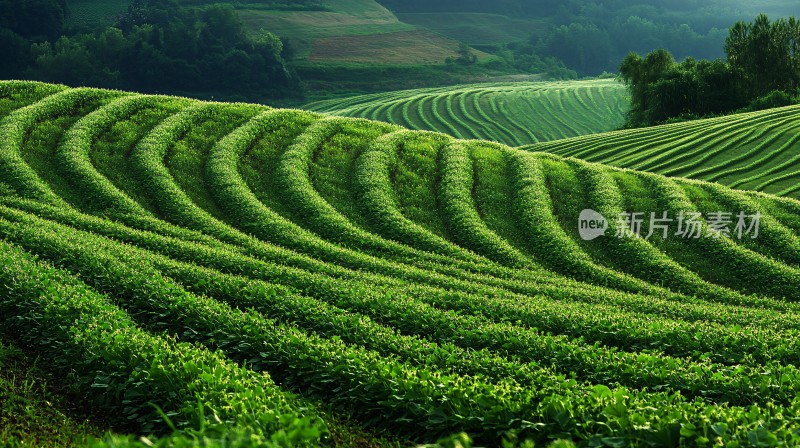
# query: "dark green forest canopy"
156, 46
696, 11
33, 18
762, 70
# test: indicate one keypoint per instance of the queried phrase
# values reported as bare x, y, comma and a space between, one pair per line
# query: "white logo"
591, 224
690, 225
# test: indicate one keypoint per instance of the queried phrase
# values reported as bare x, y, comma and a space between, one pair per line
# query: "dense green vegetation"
293, 51
762, 70
511, 113
208, 273
278, 52
156, 46
753, 151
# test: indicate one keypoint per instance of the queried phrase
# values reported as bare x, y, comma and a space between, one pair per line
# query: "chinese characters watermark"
688, 225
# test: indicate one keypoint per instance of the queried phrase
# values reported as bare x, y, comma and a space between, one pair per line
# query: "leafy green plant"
206, 268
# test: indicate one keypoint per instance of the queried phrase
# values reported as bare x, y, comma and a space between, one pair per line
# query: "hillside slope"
478, 28
757, 151
351, 31
232, 264
511, 113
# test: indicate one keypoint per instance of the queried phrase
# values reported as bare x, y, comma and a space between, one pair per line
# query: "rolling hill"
515, 113
752, 151
351, 31
235, 265
476, 28
339, 32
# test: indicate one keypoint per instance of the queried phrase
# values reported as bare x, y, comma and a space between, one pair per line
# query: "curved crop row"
471, 404
78, 330
755, 150
510, 113
421, 284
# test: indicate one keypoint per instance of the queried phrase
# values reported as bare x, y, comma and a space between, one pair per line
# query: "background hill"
344, 47
476, 28
511, 113
329, 31
589, 37
360, 31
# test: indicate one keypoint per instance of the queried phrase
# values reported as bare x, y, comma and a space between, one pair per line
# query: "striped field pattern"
757, 151
510, 113
232, 266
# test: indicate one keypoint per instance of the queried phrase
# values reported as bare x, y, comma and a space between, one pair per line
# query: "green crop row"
774, 239
76, 329
244, 207
751, 150
458, 205
380, 390
412, 316
537, 109
13, 131
359, 377
258, 220
753, 138
423, 285
18, 94
73, 155
548, 242
634, 255
560, 317
734, 265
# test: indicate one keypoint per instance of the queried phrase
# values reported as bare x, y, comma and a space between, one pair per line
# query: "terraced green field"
514, 114
231, 266
757, 151
477, 28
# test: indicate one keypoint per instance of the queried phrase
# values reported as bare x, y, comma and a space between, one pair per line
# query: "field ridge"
755, 151
512, 113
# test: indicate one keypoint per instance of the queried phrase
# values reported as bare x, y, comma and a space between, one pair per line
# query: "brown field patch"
406, 47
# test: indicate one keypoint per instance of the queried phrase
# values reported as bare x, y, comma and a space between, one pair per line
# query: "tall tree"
765, 55
639, 74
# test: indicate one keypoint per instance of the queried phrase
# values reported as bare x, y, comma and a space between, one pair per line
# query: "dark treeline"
762, 70
157, 46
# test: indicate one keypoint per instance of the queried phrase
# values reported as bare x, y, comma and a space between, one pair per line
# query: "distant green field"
352, 31
349, 31
476, 28
345, 17
511, 113
754, 151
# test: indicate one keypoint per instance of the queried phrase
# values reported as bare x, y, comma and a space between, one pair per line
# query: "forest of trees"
157, 46
762, 70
